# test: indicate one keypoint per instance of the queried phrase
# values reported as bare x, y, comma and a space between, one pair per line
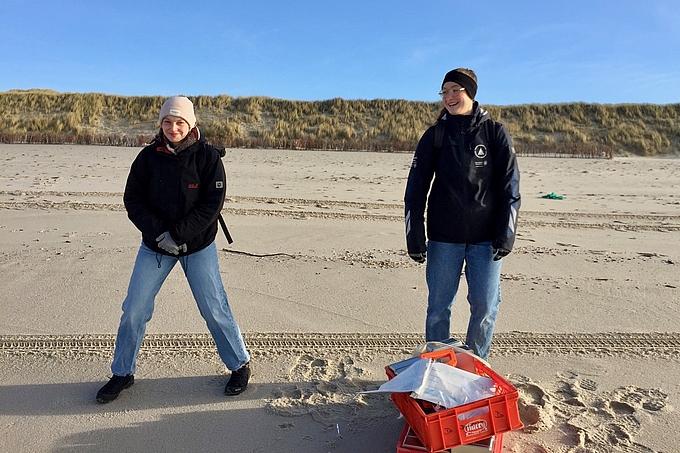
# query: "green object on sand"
553, 196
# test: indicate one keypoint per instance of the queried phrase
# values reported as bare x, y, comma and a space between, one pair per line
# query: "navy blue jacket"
475, 193
180, 193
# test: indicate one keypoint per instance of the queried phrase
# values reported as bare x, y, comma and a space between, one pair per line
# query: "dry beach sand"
326, 297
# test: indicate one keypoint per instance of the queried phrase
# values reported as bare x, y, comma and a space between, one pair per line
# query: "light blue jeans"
203, 274
483, 274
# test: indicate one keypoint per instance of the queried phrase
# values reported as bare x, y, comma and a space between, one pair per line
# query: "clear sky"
535, 51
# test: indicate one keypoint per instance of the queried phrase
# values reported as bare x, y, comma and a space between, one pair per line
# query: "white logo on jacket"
480, 154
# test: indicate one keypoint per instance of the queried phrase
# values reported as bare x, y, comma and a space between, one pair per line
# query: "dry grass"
584, 130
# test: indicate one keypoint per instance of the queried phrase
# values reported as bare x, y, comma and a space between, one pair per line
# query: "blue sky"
607, 52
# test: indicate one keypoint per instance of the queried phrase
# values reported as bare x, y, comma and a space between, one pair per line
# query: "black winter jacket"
181, 193
475, 194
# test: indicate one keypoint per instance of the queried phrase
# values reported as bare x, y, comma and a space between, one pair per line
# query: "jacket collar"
163, 146
478, 116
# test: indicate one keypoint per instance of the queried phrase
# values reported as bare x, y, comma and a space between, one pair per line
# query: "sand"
326, 297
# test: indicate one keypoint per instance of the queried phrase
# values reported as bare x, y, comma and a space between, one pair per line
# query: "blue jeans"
483, 275
203, 274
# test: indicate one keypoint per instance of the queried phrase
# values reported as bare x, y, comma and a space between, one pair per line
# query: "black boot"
112, 389
238, 381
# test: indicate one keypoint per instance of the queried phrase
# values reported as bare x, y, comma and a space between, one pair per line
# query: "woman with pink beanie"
174, 194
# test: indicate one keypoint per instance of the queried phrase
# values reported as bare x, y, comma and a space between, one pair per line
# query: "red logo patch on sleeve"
193, 186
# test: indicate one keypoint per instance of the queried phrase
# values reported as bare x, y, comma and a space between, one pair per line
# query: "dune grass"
574, 129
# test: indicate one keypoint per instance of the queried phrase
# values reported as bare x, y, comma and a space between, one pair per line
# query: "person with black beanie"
465, 173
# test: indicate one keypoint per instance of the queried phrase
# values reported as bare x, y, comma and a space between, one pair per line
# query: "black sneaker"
238, 381
112, 389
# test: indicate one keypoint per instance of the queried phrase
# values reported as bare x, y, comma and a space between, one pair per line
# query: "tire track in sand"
659, 344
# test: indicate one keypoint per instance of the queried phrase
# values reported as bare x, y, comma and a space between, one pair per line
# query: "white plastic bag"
440, 384
450, 386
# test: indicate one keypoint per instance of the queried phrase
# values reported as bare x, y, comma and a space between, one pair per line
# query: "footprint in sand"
601, 421
327, 389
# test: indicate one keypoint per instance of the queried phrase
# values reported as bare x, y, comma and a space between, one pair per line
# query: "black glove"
418, 257
500, 253
415, 238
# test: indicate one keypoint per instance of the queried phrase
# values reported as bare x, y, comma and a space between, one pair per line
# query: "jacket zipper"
466, 168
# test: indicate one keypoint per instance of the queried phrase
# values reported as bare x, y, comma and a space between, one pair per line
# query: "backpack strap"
223, 152
438, 134
438, 139
223, 224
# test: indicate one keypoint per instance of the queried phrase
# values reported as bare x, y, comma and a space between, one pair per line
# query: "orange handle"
441, 354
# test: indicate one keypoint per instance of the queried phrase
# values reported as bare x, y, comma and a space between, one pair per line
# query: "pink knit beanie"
179, 106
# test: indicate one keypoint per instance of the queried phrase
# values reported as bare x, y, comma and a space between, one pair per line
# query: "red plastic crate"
459, 425
409, 443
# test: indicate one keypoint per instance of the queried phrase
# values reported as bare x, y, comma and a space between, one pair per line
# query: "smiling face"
456, 102
175, 128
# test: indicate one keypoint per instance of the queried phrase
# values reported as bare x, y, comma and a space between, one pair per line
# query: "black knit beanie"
463, 80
